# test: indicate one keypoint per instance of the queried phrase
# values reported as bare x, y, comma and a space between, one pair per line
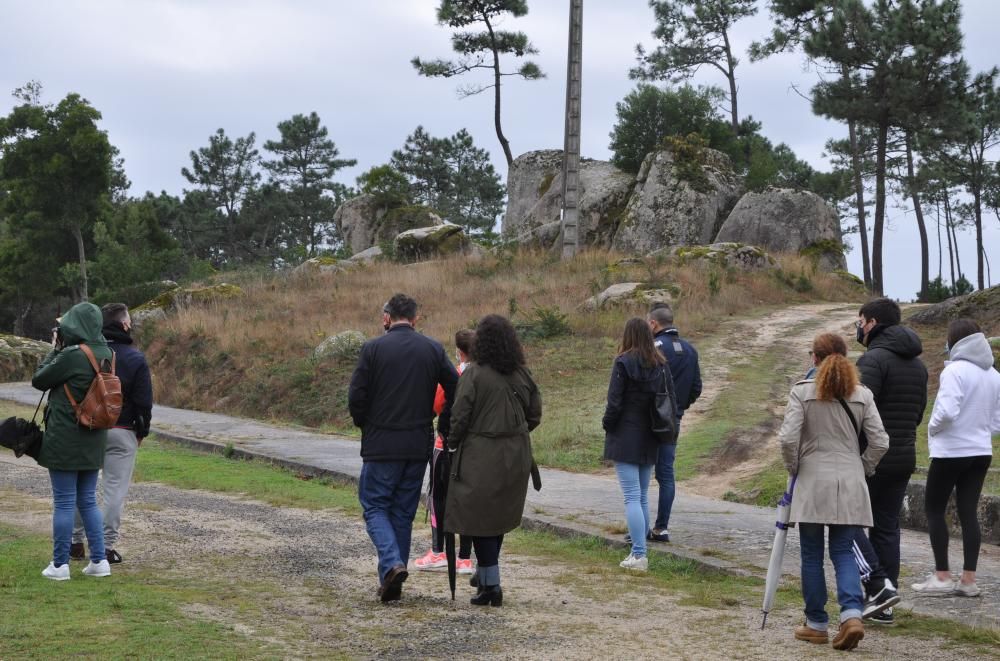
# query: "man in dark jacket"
683, 361
391, 398
891, 369
126, 436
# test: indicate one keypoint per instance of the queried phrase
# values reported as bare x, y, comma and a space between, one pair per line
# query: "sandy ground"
314, 571
788, 331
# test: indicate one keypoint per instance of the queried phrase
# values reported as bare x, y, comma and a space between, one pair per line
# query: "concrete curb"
913, 515
537, 523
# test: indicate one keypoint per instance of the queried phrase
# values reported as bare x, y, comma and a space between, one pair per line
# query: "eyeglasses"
812, 353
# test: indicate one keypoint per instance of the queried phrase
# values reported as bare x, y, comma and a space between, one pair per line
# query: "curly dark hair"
497, 345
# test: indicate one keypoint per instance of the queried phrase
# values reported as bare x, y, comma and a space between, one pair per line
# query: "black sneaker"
883, 617
649, 538
659, 535
77, 552
883, 600
113, 556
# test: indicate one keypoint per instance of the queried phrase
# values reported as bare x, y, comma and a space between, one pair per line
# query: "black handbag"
663, 411
22, 436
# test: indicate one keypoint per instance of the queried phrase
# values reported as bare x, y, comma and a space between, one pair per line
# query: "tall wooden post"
571, 143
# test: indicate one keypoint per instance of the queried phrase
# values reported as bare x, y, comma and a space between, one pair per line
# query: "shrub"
342, 346
544, 322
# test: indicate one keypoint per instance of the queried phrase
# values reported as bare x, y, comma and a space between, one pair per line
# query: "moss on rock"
19, 357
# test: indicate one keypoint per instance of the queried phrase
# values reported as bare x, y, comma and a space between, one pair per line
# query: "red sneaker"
464, 566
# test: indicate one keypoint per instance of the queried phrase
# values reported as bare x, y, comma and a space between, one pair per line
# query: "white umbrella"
781, 526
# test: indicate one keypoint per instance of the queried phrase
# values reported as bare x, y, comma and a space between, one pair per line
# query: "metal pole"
571, 143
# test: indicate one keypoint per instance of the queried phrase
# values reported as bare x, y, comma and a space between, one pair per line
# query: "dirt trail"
789, 331
303, 582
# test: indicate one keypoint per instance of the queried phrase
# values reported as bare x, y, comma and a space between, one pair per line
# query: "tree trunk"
859, 197
937, 214
78, 235
947, 232
731, 75
20, 319
921, 227
496, 94
878, 285
954, 235
977, 199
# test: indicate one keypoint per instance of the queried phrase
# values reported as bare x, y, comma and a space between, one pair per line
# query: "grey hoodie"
967, 409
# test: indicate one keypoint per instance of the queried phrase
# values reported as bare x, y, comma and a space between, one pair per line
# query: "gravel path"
316, 576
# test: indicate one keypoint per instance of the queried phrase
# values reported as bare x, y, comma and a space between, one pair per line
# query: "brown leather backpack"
102, 404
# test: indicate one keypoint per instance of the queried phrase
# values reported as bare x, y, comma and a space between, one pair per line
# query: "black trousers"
487, 550
887, 493
437, 543
964, 476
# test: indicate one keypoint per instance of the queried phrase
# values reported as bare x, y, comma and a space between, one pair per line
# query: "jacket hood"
82, 324
900, 340
114, 332
636, 370
974, 349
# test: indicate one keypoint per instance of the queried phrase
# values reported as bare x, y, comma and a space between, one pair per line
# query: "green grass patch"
134, 613
189, 469
739, 406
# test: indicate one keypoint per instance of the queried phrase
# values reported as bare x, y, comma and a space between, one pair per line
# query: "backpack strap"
88, 352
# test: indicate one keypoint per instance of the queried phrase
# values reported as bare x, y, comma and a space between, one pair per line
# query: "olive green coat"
820, 445
490, 421
66, 445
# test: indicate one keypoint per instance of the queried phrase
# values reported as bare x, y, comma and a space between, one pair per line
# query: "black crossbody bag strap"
854, 421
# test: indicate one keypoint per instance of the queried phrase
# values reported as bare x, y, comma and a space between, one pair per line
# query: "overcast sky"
168, 73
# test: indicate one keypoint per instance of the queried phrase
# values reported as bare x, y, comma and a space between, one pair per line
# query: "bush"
342, 346
544, 322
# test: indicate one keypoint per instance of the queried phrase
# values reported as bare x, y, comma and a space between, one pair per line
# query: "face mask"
861, 334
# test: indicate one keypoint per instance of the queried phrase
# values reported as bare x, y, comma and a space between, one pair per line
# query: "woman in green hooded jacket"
73, 454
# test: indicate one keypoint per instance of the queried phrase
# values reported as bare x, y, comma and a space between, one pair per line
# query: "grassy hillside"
253, 356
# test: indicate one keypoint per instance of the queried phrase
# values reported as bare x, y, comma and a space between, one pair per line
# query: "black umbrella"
440, 475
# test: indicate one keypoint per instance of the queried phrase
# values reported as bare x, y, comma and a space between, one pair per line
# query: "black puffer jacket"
628, 429
898, 379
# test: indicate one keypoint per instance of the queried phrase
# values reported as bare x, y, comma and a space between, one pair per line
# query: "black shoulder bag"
663, 412
862, 438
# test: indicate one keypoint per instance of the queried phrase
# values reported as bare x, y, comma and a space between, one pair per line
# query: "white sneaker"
966, 589
634, 563
101, 568
60, 573
934, 586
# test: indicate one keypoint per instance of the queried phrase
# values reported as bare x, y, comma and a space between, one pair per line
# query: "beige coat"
819, 444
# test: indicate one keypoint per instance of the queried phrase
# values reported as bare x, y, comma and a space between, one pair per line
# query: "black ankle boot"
474, 580
492, 595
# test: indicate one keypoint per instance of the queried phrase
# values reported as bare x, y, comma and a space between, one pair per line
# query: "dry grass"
253, 356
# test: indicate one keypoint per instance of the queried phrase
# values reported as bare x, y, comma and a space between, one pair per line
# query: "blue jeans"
72, 490
634, 481
665, 478
849, 594
389, 492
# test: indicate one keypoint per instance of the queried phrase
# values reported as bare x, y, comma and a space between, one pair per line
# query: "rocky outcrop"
786, 220
728, 255
629, 293
365, 256
158, 307
431, 242
357, 219
534, 193
19, 357
322, 264
982, 305
667, 208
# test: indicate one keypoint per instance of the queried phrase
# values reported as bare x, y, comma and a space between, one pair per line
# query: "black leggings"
464, 543
487, 550
965, 476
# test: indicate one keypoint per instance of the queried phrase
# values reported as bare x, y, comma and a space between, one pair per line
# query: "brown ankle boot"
808, 634
850, 634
